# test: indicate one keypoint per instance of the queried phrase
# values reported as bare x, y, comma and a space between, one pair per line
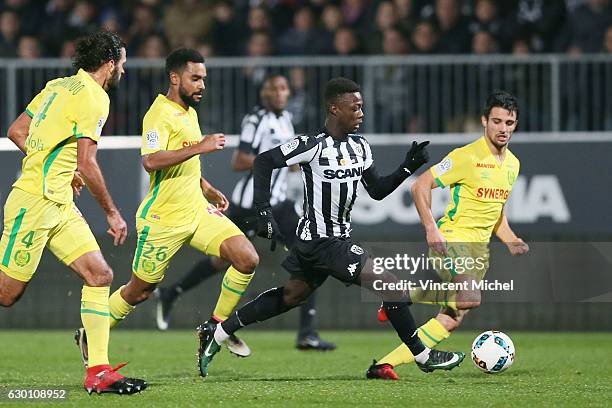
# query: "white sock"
422, 357
220, 334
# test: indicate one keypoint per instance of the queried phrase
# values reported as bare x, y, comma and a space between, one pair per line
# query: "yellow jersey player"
480, 175
58, 132
181, 206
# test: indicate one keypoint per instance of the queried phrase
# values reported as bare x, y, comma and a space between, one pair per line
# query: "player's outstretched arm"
421, 195
242, 161
91, 173
515, 245
380, 187
167, 158
18, 132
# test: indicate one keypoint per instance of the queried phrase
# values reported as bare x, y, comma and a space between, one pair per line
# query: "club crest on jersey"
152, 139
511, 177
359, 150
357, 250
444, 166
290, 146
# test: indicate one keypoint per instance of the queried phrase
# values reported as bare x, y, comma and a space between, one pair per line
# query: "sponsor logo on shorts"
214, 211
356, 249
148, 266
352, 268
22, 258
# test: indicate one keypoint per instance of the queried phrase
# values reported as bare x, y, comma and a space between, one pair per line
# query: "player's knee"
99, 277
292, 298
468, 304
247, 262
7, 300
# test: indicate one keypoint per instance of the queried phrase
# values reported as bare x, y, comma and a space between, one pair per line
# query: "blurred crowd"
48, 28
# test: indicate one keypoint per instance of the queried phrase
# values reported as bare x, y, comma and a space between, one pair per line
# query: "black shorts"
284, 213
313, 261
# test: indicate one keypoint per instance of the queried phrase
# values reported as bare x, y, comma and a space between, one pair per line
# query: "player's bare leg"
10, 290
101, 376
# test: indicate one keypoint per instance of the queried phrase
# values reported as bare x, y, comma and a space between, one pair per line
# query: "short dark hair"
178, 59
339, 86
501, 99
97, 49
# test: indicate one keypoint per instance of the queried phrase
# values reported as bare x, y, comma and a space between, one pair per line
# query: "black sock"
307, 316
268, 304
201, 271
400, 317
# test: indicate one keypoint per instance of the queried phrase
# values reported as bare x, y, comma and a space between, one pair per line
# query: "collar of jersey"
172, 103
87, 78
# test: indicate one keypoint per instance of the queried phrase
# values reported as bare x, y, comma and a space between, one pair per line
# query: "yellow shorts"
157, 243
470, 259
32, 222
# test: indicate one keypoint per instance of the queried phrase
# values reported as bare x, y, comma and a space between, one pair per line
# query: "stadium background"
425, 67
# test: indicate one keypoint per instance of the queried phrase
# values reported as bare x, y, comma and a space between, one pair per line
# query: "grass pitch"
551, 369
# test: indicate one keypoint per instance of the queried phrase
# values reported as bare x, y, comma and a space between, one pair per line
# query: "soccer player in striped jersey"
333, 162
480, 175
265, 128
59, 133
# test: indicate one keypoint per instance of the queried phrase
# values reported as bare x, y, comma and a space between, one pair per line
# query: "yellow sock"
119, 308
233, 286
431, 334
94, 315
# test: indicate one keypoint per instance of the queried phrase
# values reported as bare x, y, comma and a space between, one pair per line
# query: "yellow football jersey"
175, 195
66, 109
479, 187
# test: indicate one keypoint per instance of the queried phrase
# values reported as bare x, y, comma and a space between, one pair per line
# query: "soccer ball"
493, 352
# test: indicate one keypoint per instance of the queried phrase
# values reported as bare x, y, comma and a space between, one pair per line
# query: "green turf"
551, 369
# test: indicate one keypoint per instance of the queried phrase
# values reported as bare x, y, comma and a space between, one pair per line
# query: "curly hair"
97, 49
337, 87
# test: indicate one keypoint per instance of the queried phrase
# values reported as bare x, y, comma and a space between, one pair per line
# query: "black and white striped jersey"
331, 172
263, 130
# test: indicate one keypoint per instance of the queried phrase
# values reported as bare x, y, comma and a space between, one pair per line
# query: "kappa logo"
290, 146
352, 268
357, 250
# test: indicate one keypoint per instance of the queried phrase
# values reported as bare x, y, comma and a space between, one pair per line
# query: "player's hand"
416, 157
267, 226
118, 227
217, 198
518, 247
77, 183
436, 241
211, 143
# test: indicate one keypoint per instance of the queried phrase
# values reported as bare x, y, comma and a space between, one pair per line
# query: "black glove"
267, 226
416, 157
